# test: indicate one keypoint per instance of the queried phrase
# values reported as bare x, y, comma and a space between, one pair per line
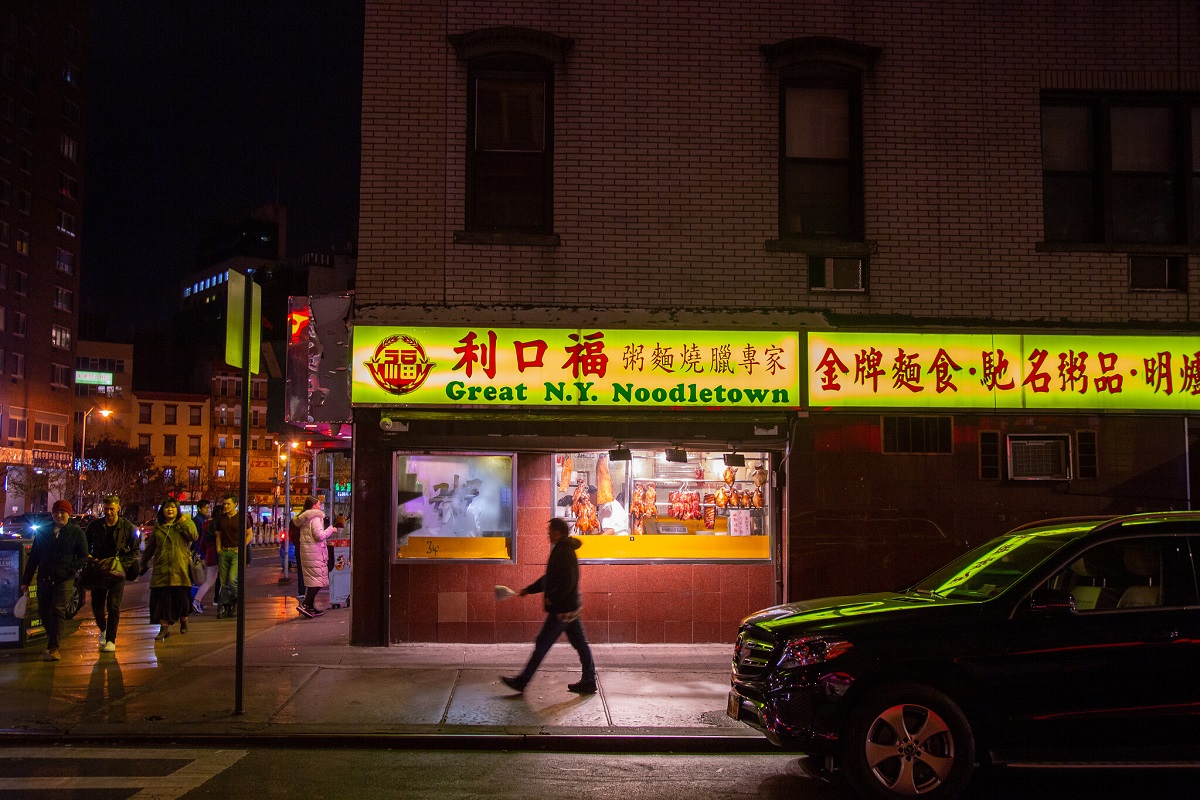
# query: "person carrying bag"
112, 545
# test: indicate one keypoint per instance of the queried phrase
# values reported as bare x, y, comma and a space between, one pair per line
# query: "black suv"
1073, 640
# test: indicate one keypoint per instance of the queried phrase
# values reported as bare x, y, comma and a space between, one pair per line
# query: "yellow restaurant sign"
581, 367
1031, 371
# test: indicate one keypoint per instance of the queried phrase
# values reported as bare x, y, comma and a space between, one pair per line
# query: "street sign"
236, 323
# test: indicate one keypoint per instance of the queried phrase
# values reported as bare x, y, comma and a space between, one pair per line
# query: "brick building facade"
953, 167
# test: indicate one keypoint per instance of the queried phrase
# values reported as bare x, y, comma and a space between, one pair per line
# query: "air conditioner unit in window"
836, 274
1039, 458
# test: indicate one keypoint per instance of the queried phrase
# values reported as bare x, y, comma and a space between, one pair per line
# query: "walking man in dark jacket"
108, 536
58, 553
560, 596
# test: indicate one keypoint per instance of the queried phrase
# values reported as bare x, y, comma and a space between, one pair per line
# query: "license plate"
733, 706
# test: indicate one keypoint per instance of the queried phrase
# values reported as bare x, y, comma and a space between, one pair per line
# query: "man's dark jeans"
546, 638
53, 601
106, 605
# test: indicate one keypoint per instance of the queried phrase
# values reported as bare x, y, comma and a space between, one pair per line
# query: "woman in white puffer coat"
313, 556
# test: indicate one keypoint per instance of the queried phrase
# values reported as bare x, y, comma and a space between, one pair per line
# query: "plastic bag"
503, 592
21, 609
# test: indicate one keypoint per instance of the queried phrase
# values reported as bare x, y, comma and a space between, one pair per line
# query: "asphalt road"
263, 774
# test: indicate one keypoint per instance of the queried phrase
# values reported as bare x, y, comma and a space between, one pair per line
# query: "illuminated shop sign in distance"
93, 378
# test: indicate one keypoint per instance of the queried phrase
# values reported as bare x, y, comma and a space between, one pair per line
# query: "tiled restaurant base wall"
455, 602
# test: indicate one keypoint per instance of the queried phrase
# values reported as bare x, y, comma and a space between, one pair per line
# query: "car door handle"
1162, 636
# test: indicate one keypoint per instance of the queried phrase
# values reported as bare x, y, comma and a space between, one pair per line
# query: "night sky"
199, 109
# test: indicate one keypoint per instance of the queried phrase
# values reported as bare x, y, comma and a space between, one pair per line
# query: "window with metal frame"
916, 434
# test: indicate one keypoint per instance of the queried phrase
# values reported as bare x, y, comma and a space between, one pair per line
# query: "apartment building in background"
43, 49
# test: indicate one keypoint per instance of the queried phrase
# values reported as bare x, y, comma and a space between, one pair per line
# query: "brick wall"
666, 169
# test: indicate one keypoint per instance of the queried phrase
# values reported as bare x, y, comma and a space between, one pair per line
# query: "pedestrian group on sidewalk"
67, 561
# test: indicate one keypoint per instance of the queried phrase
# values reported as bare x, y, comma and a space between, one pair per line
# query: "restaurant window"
666, 504
455, 506
1120, 169
509, 115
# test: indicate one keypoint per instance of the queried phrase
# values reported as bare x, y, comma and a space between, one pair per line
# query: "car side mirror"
1052, 601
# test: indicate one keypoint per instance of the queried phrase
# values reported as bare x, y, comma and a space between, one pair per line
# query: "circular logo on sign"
399, 365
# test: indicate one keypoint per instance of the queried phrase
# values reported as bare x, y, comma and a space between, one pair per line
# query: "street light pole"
104, 412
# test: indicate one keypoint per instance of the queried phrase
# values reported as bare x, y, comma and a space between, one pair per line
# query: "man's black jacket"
560, 584
56, 558
121, 541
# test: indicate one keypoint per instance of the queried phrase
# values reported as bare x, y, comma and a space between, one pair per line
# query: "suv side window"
1145, 572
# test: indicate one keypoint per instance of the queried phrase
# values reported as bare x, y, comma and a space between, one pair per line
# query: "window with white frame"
17, 427
68, 186
19, 323
47, 433
64, 261
60, 375
64, 299
22, 242
60, 336
66, 223
68, 147
18, 365
20, 282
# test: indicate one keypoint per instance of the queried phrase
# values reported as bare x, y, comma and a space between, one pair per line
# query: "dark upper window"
820, 129
510, 154
1121, 169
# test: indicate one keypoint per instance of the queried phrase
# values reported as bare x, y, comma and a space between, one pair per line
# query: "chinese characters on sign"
556, 367
1040, 371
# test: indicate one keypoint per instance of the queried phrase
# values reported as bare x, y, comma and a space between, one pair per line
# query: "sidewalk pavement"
304, 685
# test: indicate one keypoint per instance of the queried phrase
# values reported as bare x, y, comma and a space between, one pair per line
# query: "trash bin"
339, 575
16, 632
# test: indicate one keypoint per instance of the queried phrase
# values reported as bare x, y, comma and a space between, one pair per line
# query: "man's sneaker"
583, 687
307, 612
316, 612
513, 683
108, 647
52, 655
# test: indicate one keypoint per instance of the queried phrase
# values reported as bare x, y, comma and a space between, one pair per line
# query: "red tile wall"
648, 603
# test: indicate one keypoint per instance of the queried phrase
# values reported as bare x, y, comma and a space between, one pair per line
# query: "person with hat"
57, 555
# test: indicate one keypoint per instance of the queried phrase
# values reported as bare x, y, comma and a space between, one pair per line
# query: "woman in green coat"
169, 554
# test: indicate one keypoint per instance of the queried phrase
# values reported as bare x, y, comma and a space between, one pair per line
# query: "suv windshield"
990, 569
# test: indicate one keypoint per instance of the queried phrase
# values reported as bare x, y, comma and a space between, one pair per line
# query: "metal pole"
287, 509
82, 455
332, 489
243, 494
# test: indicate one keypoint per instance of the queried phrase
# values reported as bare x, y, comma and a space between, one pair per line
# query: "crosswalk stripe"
204, 765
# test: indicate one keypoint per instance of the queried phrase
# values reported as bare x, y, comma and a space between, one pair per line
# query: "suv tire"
908, 740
